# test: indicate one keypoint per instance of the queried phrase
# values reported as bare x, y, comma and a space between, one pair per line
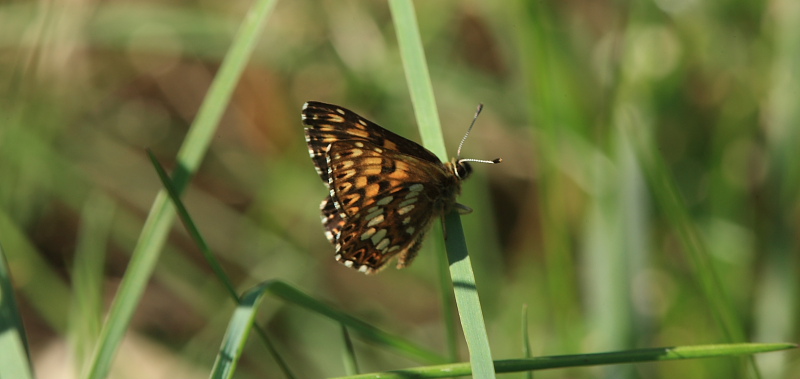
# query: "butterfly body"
384, 190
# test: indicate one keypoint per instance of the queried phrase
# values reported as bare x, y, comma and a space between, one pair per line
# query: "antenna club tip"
497, 160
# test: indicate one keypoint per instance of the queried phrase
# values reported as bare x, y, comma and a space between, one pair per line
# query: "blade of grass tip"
15, 360
237, 333
348, 353
191, 227
159, 220
526, 343
464, 287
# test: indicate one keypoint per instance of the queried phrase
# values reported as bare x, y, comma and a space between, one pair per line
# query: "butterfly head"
461, 167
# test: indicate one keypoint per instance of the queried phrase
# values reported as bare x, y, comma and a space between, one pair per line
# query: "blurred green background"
575, 223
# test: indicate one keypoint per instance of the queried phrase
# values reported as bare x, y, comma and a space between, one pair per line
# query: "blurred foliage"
567, 224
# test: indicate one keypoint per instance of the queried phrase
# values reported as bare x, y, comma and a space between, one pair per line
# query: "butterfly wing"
328, 123
381, 203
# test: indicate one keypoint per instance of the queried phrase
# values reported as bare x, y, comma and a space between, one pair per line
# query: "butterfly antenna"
458, 153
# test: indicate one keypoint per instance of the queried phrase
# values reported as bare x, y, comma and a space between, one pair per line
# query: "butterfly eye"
463, 169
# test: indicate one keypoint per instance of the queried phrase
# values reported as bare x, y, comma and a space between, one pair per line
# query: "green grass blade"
778, 294
418, 76
526, 341
160, 218
14, 359
212, 260
446, 297
563, 361
463, 278
349, 354
191, 228
467, 299
674, 207
237, 333
551, 108
48, 294
86, 310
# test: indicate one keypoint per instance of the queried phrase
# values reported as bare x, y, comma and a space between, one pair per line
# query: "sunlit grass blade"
463, 278
14, 359
160, 218
563, 361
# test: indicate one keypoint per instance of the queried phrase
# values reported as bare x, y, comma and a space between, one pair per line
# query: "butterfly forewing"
384, 190
327, 123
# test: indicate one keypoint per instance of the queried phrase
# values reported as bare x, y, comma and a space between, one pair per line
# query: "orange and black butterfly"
385, 190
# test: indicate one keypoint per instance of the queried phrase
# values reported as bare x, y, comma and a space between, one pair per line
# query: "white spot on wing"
383, 244
378, 236
417, 187
408, 202
385, 200
406, 209
375, 220
369, 233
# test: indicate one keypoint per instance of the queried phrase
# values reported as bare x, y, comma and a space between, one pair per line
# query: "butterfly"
384, 190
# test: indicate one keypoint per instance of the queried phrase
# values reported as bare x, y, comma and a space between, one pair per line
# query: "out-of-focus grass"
569, 224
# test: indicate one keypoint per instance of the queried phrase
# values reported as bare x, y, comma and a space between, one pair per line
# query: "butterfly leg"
462, 209
407, 256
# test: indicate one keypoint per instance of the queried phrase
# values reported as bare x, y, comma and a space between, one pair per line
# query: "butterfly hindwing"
386, 199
